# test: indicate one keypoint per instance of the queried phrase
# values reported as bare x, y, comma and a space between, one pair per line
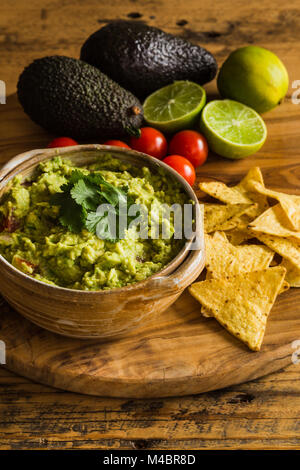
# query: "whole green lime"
254, 76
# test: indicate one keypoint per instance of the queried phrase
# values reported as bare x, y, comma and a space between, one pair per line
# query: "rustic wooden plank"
248, 415
29, 30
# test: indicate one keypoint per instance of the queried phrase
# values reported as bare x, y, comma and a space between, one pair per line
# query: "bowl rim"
47, 154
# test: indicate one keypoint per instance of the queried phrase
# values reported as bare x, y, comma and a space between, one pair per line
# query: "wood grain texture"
260, 414
263, 414
178, 352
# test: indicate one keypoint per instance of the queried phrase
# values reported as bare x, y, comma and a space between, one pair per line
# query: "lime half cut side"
233, 130
175, 106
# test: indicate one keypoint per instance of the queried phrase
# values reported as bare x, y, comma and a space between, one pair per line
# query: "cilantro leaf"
115, 196
81, 196
71, 215
96, 178
86, 195
76, 175
92, 220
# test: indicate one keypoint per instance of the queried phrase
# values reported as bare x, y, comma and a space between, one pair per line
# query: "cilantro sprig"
81, 196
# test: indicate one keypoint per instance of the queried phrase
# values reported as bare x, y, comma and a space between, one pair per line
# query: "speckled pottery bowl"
107, 313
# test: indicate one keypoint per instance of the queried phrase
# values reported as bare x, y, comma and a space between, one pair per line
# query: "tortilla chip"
289, 203
242, 193
254, 175
242, 303
238, 223
241, 232
273, 222
285, 247
292, 273
225, 259
224, 193
222, 217
237, 236
207, 313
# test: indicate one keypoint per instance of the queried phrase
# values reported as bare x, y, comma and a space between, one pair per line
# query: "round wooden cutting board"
178, 352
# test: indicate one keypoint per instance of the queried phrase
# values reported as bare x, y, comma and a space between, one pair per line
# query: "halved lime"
232, 129
175, 106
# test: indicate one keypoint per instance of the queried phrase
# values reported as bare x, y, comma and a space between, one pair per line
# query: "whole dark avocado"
70, 97
143, 59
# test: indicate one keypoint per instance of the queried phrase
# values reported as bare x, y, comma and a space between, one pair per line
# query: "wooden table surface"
263, 414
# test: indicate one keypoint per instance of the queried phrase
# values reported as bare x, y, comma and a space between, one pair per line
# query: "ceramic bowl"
98, 314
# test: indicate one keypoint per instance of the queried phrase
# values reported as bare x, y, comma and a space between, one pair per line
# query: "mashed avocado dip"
33, 240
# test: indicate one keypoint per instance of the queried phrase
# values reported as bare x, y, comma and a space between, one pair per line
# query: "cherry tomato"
117, 143
183, 166
191, 145
62, 142
151, 141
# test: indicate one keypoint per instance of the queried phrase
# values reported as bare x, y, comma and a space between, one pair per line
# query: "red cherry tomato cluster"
186, 151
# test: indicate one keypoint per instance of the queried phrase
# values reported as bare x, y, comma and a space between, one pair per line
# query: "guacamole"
33, 239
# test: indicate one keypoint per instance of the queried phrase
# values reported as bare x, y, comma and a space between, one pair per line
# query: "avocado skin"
69, 97
143, 58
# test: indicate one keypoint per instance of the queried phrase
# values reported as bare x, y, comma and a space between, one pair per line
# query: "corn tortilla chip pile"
252, 254
225, 259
